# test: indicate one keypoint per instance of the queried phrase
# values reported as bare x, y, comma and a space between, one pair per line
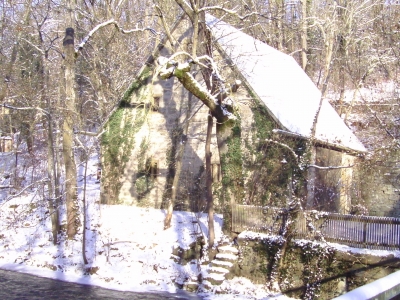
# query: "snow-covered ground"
126, 247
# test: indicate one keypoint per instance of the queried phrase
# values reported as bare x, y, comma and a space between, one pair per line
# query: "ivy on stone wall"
232, 163
271, 167
309, 270
144, 182
118, 140
232, 183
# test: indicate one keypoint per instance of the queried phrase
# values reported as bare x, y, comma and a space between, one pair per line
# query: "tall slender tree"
70, 118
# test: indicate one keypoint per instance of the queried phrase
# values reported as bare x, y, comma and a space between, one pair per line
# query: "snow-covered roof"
286, 90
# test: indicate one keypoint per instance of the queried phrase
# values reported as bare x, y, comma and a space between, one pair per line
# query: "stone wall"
142, 173
380, 184
310, 270
334, 187
379, 173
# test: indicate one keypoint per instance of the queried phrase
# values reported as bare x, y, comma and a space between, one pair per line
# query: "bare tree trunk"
303, 34
69, 117
175, 184
278, 22
311, 178
53, 184
178, 169
85, 261
99, 85
202, 46
209, 194
54, 196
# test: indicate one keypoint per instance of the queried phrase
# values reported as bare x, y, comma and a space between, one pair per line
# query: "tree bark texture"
68, 135
209, 194
178, 169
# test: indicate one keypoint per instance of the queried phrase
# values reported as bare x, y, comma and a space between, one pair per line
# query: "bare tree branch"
120, 29
186, 8
89, 133
229, 11
330, 167
284, 146
165, 25
27, 108
43, 180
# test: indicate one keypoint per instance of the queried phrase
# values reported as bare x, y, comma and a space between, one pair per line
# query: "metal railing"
370, 232
382, 289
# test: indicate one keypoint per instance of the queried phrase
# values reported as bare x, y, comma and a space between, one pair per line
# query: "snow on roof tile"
288, 93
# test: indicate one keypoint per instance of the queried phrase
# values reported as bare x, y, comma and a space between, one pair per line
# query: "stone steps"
228, 249
223, 264
226, 257
218, 270
220, 266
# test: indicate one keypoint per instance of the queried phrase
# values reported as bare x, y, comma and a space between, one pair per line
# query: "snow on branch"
33, 45
229, 11
120, 29
168, 67
186, 8
310, 165
330, 167
40, 181
27, 108
284, 146
90, 133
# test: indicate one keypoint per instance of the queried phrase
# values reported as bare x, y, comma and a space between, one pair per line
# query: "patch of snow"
222, 263
215, 276
259, 236
344, 248
226, 256
218, 270
242, 288
228, 248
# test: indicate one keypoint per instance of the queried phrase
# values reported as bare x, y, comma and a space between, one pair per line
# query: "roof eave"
333, 146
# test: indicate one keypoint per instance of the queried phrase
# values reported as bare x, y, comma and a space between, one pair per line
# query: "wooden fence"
356, 231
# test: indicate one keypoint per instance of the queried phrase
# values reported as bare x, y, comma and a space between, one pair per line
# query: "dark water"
14, 285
